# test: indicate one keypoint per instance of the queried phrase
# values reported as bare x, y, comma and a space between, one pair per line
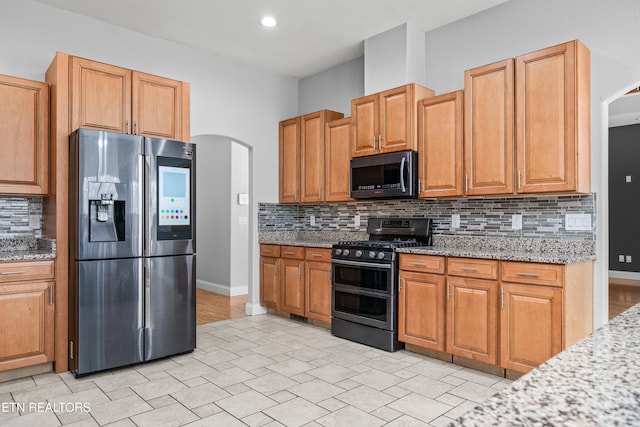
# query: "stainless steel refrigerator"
132, 249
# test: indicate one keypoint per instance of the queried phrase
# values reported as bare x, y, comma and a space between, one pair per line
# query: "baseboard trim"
254, 309
222, 289
630, 275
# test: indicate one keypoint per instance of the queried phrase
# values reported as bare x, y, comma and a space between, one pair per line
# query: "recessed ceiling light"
268, 21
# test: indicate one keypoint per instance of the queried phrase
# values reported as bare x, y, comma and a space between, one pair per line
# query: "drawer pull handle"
266, 251
420, 264
317, 255
289, 253
469, 268
520, 273
8, 273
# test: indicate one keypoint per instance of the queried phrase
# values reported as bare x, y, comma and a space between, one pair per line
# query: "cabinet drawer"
470, 267
532, 273
318, 254
26, 271
270, 250
422, 263
295, 252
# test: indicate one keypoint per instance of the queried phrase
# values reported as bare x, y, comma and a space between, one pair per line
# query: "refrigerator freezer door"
169, 197
105, 196
170, 312
110, 314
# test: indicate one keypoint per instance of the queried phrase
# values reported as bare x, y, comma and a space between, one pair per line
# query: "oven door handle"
361, 264
355, 290
402, 165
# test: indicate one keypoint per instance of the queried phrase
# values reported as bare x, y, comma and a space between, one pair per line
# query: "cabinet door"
312, 154
472, 319
337, 156
290, 160
396, 109
269, 282
421, 310
156, 106
530, 326
318, 291
365, 126
24, 136
101, 96
292, 286
488, 139
26, 324
440, 130
550, 113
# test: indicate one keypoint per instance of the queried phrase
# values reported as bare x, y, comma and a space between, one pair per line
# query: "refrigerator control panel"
173, 198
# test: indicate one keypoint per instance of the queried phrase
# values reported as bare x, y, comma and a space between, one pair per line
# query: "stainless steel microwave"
385, 176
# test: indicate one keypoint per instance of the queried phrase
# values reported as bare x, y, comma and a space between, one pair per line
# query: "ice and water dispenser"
107, 214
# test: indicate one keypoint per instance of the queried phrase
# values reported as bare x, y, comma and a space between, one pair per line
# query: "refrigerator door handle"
147, 293
149, 225
141, 294
141, 205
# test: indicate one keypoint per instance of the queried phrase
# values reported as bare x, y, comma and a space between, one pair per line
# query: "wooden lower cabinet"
318, 291
421, 310
530, 325
27, 310
269, 282
472, 321
292, 286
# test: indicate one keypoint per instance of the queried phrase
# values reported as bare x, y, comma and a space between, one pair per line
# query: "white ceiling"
312, 35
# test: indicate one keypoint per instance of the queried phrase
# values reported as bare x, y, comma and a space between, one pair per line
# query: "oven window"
363, 277
361, 305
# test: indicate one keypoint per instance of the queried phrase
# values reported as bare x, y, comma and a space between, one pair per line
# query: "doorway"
624, 189
224, 208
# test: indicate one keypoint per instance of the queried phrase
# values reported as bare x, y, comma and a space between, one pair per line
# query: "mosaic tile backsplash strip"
542, 217
14, 217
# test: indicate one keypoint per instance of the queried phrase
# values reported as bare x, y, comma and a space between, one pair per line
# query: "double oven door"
365, 293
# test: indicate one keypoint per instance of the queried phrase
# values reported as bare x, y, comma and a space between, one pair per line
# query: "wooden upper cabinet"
290, 160
440, 133
156, 106
387, 121
488, 138
24, 136
337, 186
553, 119
100, 96
312, 142
110, 98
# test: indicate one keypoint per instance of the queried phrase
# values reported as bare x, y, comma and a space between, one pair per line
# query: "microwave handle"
402, 164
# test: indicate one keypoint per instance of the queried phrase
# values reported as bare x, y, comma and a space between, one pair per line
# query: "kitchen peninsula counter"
27, 249
595, 382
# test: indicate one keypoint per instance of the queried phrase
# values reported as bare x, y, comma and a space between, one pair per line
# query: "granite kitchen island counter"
27, 249
595, 382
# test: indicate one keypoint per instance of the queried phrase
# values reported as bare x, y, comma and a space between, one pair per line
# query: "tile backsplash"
542, 216
15, 216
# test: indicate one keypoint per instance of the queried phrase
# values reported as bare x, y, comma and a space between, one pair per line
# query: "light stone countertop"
27, 249
595, 382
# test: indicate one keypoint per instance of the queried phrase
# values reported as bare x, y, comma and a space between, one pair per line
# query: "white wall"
239, 214
227, 97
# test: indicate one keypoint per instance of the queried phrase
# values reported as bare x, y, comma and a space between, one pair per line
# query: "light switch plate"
577, 222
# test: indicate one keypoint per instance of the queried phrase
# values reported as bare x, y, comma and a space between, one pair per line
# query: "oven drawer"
270, 250
422, 263
318, 254
472, 267
532, 273
294, 252
367, 308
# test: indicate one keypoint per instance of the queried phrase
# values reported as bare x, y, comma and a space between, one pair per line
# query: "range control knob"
380, 255
338, 251
372, 254
358, 253
345, 252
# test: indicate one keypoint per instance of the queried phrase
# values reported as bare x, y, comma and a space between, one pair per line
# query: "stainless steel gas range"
364, 296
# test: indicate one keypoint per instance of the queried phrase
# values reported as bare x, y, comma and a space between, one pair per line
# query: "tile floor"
256, 371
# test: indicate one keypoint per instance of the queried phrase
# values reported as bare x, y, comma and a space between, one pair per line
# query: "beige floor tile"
162, 387
190, 370
216, 357
426, 386
461, 408
420, 407
433, 368
41, 393
237, 389
332, 373
308, 354
296, 412
406, 421
290, 367
351, 417
167, 416
116, 410
365, 398
282, 396
74, 418
252, 362
229, 377
245, 404
257, 420
123, 423
473, 391
161, 401
207, 410
47, 378
316, 390
450, 399
386, 413
271, 349
119, 379
478, 377
200, 395
377, 379
271, 383
442, 421
39, 419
